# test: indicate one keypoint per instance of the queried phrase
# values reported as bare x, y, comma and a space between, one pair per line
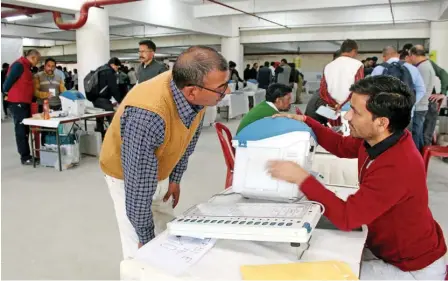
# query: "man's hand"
436, 97
173, 190
287, 171
301, 118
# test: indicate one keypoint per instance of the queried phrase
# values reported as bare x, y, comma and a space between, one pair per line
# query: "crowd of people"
155, 130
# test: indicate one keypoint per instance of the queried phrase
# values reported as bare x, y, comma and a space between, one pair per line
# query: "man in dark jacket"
19, 86
149, 67
264, 76
108, 85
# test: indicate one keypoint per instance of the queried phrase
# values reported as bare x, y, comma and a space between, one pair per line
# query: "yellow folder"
323, 270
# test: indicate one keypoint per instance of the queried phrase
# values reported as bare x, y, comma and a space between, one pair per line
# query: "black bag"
398, 70
91, 84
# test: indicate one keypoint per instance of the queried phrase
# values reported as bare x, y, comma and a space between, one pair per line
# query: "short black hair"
284, 60
115, 61
348, 45
232, 64
50, 59
151, 45
272, 63
375, 59
195, 63
403, 54
417, 51
336, 54
266, 63
407, 46
276, 91
389, 98
5, 65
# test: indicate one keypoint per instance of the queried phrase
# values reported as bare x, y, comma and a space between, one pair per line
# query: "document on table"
323, 270
327, 112
174, 254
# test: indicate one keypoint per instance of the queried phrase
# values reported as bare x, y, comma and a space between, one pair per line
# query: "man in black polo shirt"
149, 67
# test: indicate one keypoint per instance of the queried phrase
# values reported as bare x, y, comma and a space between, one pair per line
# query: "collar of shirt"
187, 111
272, 105
377, 149
145, 65
417, 64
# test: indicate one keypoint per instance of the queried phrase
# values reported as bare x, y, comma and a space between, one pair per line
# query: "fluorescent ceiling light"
19, 17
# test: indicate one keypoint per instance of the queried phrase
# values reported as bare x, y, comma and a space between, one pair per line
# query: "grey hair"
195, 63
417, 50
389, 51
32, 52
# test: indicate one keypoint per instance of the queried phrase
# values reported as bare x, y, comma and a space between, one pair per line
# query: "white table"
237, 104
336, 171
223, 261
52, 125
258, 95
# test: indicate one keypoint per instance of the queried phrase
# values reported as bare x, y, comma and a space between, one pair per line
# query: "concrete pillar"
232, 50
12, 49
92, 44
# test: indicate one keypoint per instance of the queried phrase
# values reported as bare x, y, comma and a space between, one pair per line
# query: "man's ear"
384, 122
189, 92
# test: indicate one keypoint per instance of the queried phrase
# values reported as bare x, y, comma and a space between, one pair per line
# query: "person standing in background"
5, 68
49, 86
246, 73
58, 71
75, 78
132, 78
272, 68
264, 76
122, 81
253, 71
234, 75
149, 67
418, 58
19, 86
283, 72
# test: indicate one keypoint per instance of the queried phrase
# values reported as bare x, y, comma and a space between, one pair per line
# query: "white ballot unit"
288, 219
73, 102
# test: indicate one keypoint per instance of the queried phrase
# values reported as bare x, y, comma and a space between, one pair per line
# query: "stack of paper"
323, 270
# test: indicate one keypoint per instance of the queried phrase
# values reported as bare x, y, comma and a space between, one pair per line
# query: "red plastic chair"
227, 150
433, 151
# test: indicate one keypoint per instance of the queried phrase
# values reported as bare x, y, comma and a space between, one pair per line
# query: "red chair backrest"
226, 144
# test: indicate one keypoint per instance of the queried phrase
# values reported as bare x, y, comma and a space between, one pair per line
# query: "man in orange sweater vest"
405, 240
153, 133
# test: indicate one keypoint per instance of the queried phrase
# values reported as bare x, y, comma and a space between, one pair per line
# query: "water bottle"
46, 110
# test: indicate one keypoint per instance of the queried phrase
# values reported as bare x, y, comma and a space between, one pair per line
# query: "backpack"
398, 70
91, 83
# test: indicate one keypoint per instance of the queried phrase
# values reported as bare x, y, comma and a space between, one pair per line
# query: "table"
52, 125
210, 116
257, 96
223, 261
237, 104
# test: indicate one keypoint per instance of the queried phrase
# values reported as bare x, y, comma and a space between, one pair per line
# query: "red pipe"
84, 13
19, 11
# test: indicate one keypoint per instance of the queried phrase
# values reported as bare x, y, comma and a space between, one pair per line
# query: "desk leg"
58, 144
85, 124
32, 147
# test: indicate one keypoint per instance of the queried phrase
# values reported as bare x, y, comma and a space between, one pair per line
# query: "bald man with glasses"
153, 133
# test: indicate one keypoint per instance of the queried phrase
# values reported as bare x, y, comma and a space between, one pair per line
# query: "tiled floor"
61, 225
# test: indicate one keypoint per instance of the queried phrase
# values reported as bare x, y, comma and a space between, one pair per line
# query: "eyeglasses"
220, 93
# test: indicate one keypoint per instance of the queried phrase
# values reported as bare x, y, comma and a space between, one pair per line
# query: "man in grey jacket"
283, 72
418, 58
149, 67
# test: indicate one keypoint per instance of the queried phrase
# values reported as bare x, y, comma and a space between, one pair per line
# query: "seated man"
278, 98
406, 241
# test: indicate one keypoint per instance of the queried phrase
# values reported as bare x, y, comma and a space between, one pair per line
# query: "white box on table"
73, 102
271, 139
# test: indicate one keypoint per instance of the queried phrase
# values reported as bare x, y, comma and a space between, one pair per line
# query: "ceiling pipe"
247, 13
19, 10
392, 11
84, 13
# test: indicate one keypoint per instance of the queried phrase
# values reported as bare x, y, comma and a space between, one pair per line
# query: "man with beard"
278, 99
49, 86
149, 67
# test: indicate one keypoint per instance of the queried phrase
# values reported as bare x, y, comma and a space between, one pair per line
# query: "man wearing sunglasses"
153, 133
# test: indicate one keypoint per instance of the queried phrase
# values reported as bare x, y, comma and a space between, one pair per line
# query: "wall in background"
12, 49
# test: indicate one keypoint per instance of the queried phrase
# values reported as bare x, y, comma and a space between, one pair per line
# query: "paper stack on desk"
322, 270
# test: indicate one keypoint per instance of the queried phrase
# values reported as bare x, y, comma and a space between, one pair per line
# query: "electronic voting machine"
271, 139
264, 140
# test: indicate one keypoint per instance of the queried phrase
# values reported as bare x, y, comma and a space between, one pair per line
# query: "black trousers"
106, 105
19, 112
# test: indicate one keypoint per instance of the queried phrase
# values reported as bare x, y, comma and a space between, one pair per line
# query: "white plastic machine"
271, 139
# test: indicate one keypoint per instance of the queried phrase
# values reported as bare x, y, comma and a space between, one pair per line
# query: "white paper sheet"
327, 112
174, 254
